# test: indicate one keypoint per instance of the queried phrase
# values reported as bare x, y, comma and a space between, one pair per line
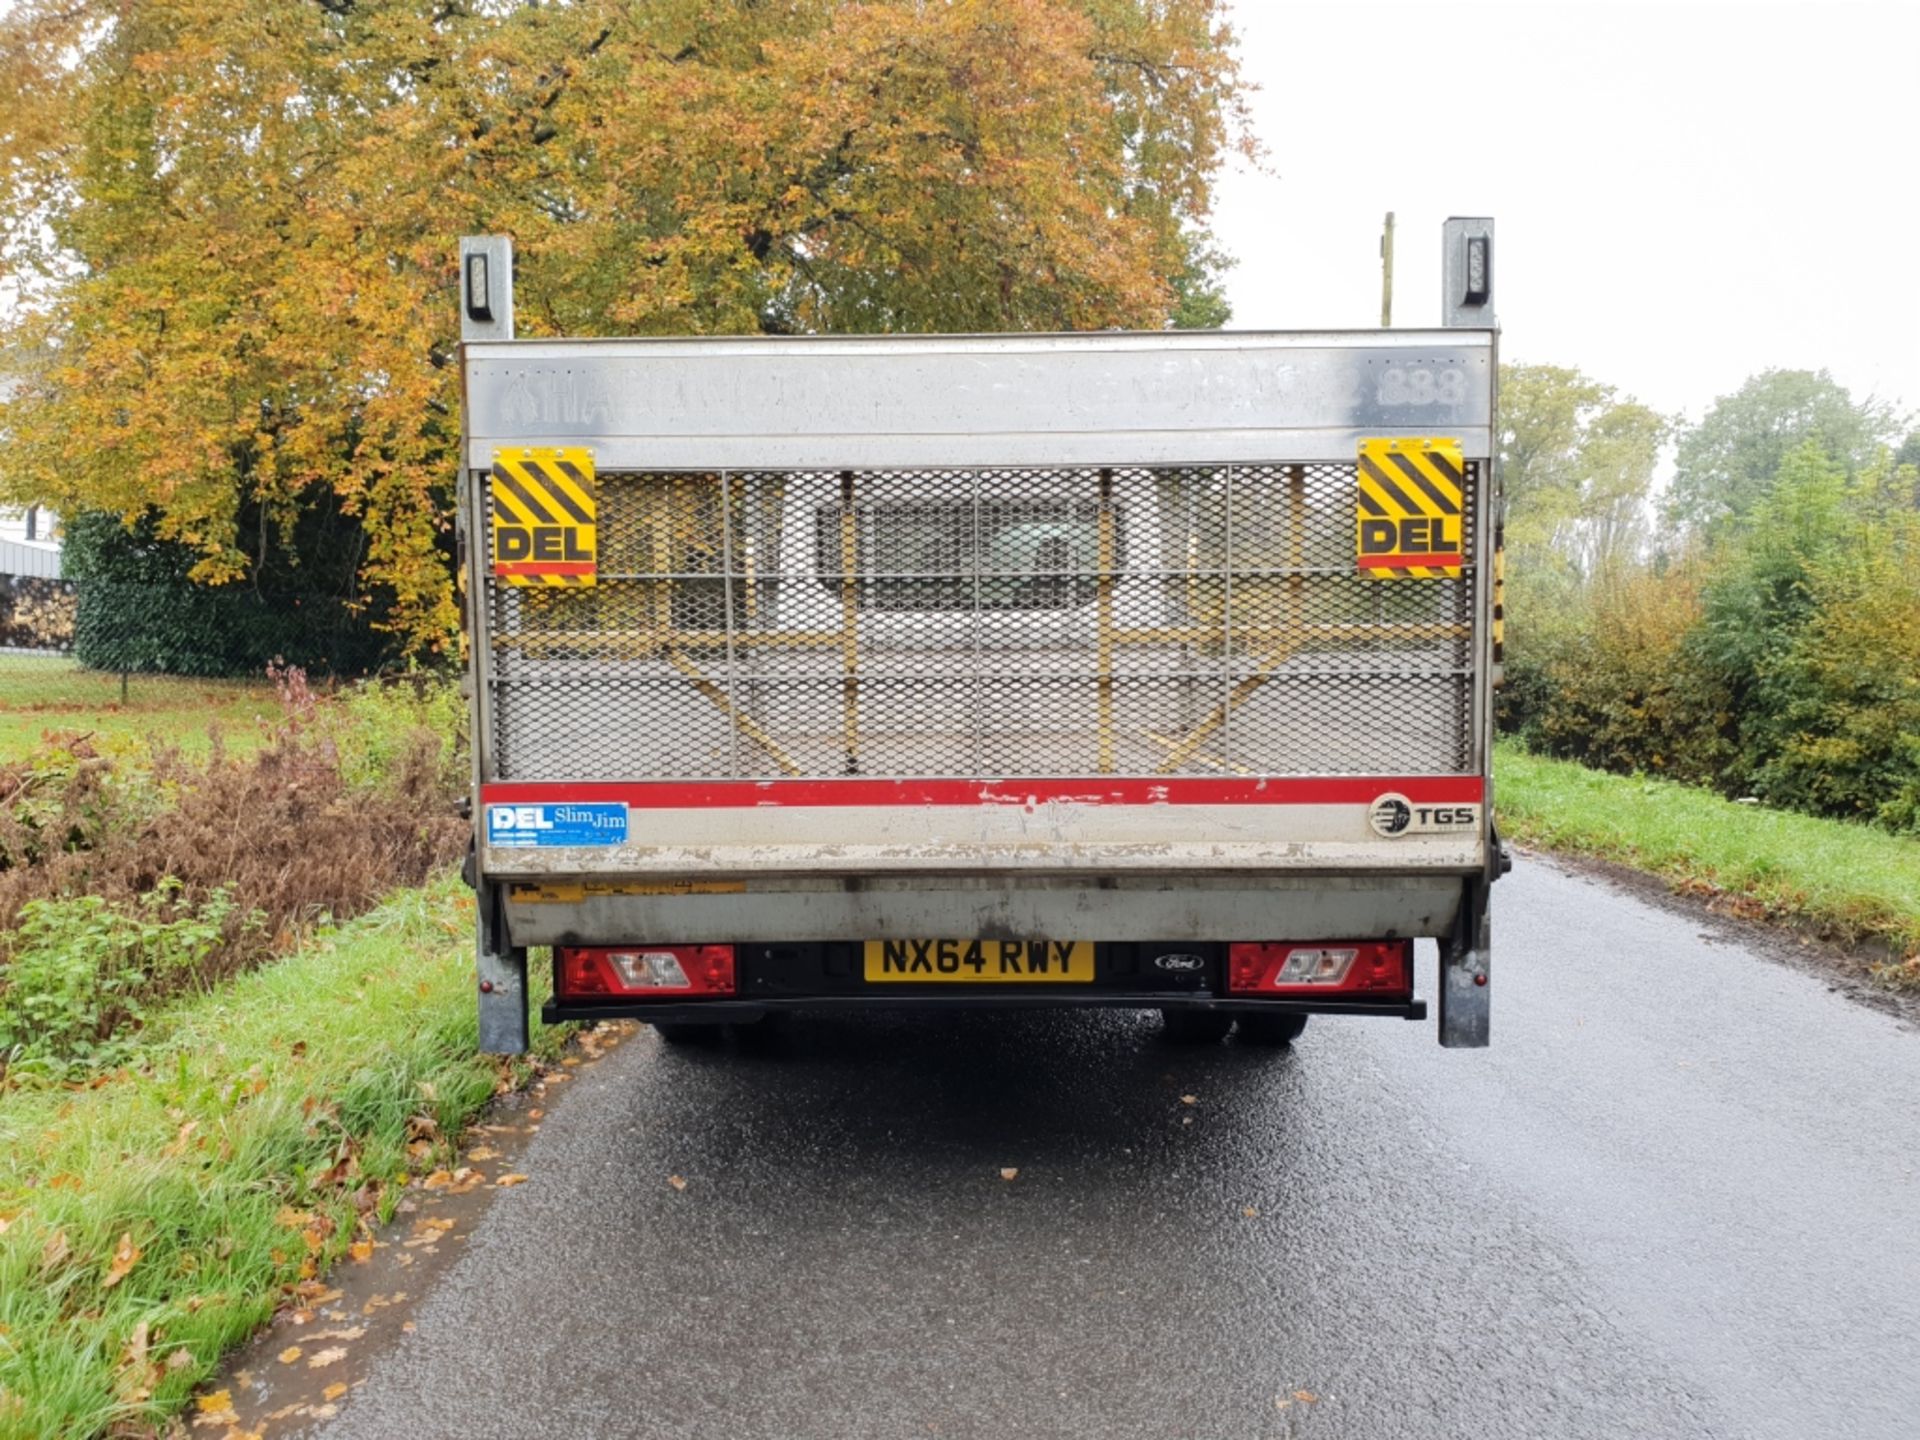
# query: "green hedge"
138, 611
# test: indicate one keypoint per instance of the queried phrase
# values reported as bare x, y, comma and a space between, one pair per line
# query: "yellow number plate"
987, 962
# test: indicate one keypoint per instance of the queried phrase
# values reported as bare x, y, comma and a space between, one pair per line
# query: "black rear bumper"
743, 1011
816, 977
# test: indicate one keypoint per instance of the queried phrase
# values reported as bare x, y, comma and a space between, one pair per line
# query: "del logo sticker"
1410, 509
528, 827
545, 530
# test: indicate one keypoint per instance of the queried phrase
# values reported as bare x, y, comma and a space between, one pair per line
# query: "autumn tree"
1577, 464
1728, 464
232, 228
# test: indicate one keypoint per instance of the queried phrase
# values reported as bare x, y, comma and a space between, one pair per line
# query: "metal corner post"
500, 966
1466, 955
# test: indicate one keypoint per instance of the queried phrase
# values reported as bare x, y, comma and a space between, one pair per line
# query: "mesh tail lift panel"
984, 623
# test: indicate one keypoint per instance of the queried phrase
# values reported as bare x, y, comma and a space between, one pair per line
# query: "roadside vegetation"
154, 1215
1756, 629
131, 876
1846, 881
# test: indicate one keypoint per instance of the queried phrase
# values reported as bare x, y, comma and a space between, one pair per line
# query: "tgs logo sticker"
1392, 815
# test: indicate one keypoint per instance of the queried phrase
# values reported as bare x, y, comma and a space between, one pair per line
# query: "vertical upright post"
1466, 272
850, 624
1386, 274
486, 287
1296, 555
1104, 621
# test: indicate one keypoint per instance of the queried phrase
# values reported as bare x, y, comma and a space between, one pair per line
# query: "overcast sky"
1685, 193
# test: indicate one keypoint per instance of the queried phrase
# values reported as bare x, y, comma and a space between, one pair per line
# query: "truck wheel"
1271, 1029
1195, 1027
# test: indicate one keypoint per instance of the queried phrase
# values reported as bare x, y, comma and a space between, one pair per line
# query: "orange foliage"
234, 226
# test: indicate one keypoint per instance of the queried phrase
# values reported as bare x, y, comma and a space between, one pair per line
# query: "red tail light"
1325, 967
646, 971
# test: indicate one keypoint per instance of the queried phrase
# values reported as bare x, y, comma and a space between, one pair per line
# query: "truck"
1110, 669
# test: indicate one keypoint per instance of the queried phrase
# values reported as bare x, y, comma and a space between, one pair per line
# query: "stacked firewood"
36, 614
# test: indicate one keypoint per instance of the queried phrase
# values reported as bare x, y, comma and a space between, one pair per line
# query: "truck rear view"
1145, 670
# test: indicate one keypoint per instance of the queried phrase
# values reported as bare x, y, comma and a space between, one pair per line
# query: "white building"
29, 543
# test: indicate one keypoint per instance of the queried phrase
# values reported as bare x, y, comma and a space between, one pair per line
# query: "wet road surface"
1677, 1198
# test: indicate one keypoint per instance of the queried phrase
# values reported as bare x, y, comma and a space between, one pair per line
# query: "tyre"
1271, 1029
1195, 1027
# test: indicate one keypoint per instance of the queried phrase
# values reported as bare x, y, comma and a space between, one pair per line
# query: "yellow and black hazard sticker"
544, 531
1411, 508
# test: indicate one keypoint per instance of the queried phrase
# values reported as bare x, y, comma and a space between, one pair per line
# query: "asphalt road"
1677, 1198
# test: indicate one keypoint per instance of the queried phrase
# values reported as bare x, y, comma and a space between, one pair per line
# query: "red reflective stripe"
1104, 790
1405, 562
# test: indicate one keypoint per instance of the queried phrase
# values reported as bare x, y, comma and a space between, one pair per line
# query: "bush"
1623, 688
77, 972
1786, 667
1839, 733
128, 883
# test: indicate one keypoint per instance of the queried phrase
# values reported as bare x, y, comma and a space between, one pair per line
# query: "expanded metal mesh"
983, 623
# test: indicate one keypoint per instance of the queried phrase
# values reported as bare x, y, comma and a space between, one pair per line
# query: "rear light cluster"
649, 971
1344, 967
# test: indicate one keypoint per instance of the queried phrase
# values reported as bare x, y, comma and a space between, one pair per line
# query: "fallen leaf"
334, 1391
123, 1260
1189, 1099
407, 1327
361, 1251
482, 1152
323, 1358
137, 1344
1250, 1212
291, 1354
678, 1182
351, 1332
1305, 1397
436, 1180
6, 1221
535, 1113
55, 1250
211, 1404
1010, 1173
179, 1360
514, 1179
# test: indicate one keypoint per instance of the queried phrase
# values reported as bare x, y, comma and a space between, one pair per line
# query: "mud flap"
500, 978
1465, 972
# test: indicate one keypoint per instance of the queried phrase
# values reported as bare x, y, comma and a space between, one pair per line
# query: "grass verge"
1851, 882
153, 1219
49, 694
